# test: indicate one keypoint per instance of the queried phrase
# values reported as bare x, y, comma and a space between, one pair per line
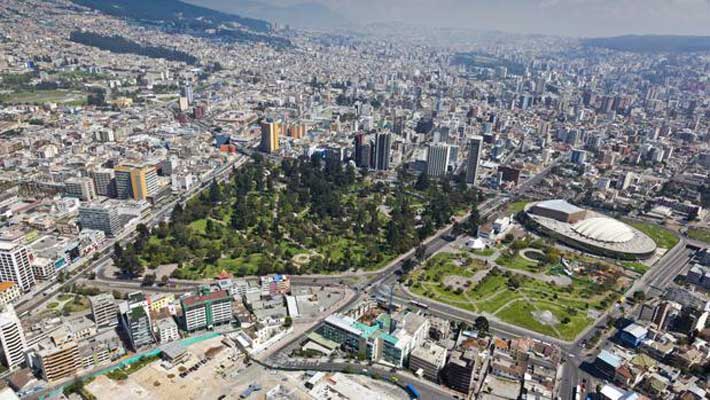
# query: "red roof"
195, 300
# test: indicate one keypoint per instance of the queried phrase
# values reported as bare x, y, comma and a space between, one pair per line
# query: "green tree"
481, 324
420, 253
422, 183
215, 192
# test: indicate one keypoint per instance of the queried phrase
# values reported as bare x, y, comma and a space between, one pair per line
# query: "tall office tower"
362, 150
186, 92
540, 85
437, 159
101, 218
578, 156
270, 132
16, 265
81, 188
12, 338
383, 148
104, 310
136, 181
607, 103
475, 147
104, 181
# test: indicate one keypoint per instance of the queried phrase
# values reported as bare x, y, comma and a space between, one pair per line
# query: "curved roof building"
588, 230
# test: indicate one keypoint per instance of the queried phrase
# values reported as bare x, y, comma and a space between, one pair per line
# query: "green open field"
701, 234
515, 298
70, 97
517, 261
662, 236
516, 207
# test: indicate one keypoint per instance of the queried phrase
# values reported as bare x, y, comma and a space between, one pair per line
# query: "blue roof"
610, 358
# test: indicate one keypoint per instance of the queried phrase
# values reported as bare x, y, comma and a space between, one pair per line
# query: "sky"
581, 18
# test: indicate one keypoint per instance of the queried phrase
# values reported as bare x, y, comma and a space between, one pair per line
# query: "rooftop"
559, 205
198, 300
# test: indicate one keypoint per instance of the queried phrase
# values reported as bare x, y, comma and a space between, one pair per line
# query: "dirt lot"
224, 374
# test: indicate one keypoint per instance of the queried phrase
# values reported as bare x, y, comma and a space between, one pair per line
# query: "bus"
418, 304
413, 392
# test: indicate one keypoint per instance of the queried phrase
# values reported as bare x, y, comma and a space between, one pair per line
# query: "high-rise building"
270, 135
81, 188
628, 180
206, 310
362, 151
187, 92
136, 181
104, 181
437, 159
578, 156
16, 265
475, 148
297, 130
383, 148
104, 310
101, 218
57, 361
12, 338
460, 369
135, 321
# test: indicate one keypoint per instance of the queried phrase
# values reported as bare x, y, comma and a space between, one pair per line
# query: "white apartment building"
12, 338
16, 265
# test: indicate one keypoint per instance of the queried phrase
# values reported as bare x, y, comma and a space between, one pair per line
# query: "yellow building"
123, 102
136, 181
270, 134
9, 292
159, 302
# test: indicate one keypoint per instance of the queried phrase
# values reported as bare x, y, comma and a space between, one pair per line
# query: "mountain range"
303, 15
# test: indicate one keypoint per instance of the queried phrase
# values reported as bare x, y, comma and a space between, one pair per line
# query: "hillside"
652, 43
172, 12
302, 15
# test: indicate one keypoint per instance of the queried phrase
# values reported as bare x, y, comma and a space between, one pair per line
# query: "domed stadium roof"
604, 229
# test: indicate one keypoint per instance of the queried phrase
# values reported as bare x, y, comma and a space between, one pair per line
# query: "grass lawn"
199, 225
75, 306
515, 207
520, 314
701, 234
518, 262
637, 267
241, 266
45, 96
663, 237
514, 302
487, 252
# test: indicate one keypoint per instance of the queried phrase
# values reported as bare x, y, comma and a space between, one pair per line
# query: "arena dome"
604, 229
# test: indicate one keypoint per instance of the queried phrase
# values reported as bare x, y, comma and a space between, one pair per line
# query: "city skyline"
201, 205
